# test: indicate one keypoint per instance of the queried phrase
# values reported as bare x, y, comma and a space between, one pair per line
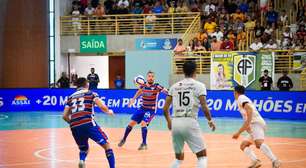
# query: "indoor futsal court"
43, 140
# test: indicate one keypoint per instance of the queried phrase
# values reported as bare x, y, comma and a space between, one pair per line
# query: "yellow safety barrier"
283, 61
192, 30
127, 24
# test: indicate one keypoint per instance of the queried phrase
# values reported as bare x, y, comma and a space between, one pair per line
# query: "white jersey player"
187, 96
254, 125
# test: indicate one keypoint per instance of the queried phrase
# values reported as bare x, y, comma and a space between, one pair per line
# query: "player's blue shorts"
143, 114
82, 133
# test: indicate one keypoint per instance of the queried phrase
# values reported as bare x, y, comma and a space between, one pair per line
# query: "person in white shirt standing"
187, 96
255, 126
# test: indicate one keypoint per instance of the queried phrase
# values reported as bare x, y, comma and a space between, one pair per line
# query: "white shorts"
257, 132
187, 130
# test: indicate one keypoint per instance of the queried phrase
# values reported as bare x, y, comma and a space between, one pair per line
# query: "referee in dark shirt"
93, 79
284, 83
266, 81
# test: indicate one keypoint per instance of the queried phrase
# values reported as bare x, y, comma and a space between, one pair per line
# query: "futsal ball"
139, 80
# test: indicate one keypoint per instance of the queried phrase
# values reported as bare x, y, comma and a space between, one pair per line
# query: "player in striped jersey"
144, 115
79, 113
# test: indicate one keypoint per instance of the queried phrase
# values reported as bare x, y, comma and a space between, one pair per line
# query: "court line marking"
3, 116
37, 154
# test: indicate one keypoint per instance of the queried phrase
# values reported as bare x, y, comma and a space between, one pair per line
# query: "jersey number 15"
184, 99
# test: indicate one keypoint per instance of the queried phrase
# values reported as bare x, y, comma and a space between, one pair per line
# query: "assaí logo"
21, 100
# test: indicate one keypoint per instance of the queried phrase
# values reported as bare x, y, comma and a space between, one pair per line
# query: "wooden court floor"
55, 148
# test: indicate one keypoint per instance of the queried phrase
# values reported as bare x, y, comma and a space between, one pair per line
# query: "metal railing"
127, 24
192, 30
303, 80
283, 60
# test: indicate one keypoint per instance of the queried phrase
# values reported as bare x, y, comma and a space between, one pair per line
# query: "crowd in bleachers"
226, 24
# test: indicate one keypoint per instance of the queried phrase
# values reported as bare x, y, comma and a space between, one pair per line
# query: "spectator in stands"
283, 19
218, 33
158, 8
259, 30
119, 82
284, 83
123, 3
210, 26
241, 38
179, 48
150, 21
244, 6
256, 45
265, 81
76, 24
238, 15
272, 17
82, 5
301, 34
109, 4
137, 9
64, 81
227, 45
202, 35
172, 8
215, 44
231, 36
297, 45
146, 8
287, 34
89, 11
195, 7
190, 46
206, 45
199, 47
231, 6
250, 24
271, 45
209, 7
182, 7
94, 3
100, 11
93, 79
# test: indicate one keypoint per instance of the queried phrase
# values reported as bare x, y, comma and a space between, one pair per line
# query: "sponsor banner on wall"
155, 43
270, 104
299, 61
239, 68
221, 71
93, 44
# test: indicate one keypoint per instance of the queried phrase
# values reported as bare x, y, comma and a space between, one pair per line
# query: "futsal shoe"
143, 147
81, 164
121, 143
255, 164
276, 164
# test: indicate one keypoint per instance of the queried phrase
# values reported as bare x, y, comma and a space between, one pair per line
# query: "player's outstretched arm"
246, 124
66, 114
206, 111
103, 107
166, 111
137, 94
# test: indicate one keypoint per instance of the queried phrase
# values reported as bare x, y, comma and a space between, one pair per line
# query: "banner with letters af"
271, 104
244, 68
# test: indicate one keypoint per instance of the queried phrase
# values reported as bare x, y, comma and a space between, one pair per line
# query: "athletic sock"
249, 152
83, 155
110, 157
176, 163
202, 162
144, 132
265, 149
128, 129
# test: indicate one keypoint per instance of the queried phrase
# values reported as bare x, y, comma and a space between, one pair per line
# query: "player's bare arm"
166, 111
103, 107
137, 94
246, 124
207, 112
66, 114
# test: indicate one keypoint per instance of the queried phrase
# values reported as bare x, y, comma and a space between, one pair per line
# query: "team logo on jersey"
244, 69
21, 100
